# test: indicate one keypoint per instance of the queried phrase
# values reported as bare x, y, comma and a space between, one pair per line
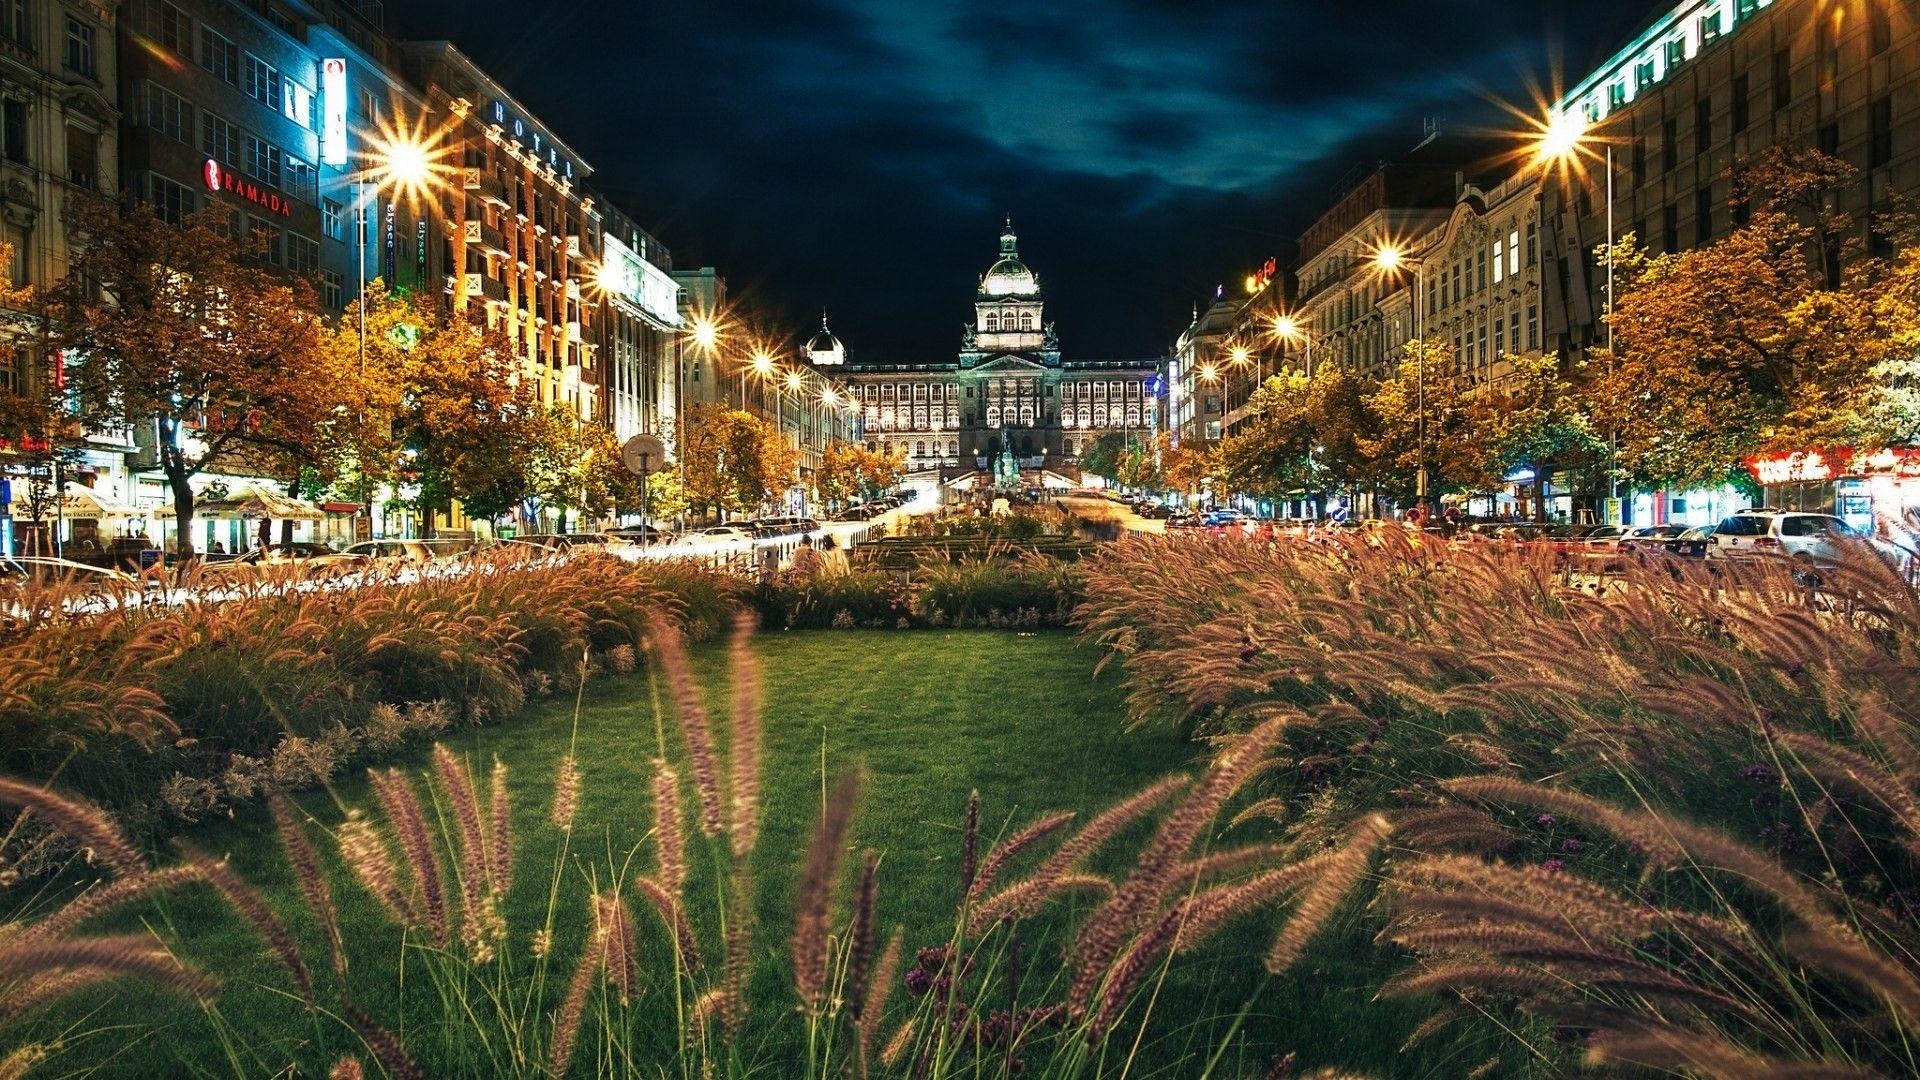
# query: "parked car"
392, 552
718, 534
1811, 541
1650, 538
643, 534
1184, 521
1153, 511
312, 560
40, 572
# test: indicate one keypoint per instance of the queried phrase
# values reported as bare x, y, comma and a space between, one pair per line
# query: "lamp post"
1290, 332
399, 162
1390, 259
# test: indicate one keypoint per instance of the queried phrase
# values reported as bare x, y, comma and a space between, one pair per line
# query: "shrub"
154, 710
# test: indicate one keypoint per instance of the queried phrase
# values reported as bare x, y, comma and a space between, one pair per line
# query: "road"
1098, 509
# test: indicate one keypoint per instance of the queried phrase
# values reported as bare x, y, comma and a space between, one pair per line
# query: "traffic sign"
643, 454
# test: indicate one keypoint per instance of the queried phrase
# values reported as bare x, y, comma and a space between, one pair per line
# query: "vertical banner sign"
420, 251
333, 111
391, 269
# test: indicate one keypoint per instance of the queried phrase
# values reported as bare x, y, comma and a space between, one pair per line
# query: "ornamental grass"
1662, 818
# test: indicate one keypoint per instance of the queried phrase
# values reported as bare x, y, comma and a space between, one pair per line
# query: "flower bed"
1022, 591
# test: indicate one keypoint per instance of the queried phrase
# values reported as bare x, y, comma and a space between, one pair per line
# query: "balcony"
485, 184
480, 285
484, 236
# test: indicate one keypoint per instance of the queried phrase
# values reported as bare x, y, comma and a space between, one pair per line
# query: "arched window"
1133, 416
953, 448
1026, 321
993, 416
1026, 415
1100, 416
919, 449
993, 322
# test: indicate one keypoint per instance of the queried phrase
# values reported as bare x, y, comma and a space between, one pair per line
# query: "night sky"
861, 154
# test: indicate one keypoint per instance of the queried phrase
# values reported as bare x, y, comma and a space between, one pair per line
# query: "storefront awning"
75, 502
253, 504
340, 508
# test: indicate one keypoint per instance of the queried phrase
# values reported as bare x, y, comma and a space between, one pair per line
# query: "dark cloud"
860, 154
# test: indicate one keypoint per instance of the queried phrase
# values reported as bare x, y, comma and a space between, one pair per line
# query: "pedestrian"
768, 561
806, 561
833, 559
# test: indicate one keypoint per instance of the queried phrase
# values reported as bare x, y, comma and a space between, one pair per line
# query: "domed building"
1007, 391
825, 350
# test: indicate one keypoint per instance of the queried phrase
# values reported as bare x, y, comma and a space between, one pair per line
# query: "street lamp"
405, 163
1562, 139
1390, 259
1290, 332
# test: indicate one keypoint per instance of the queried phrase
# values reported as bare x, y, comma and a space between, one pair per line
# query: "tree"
1270, 453
1186, 468
849, 470
467, 429
172, 324
1397, 409
1532, 418
733, 461
1102, 455
1758, 341
404, 356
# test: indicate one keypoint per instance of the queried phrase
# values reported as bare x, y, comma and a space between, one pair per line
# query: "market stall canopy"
75, 502
253, 503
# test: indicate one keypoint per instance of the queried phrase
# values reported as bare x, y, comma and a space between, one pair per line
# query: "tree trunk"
1539, 493
182, 504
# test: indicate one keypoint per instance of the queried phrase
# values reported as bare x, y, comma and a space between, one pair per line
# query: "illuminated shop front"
1877, 490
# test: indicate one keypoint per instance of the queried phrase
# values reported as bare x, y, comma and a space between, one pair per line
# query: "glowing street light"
1286, 327
1389, 257
1239, 354
1209, 373
706, 332
1560, 138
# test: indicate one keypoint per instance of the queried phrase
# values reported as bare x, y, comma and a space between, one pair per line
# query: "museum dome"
1009, 276
825, 348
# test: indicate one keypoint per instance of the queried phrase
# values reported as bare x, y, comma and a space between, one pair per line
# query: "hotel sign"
637, 281
333, 111
1812, 466
221, 178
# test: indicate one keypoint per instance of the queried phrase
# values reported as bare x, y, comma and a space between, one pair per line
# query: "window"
1643, 75
79, 46
220, 56
83, 158
1669, 144
171, 27
171, 201
1670, 229
1710, 26
263, 160
261, 81
369, 106
167, 114
1617, 95
1676, 53
1513, 252
283, 22
1499, 260
1638, 168
1703, 215
1879, 29
1499, 329
1744, 8
267, 240
1533, 243
1739, 103
330, 223
1702, 125
1782, 79
217, 139
1533, 326
1880, 132
303, 254
1829, 138
13, 130
302, 179
1513, 334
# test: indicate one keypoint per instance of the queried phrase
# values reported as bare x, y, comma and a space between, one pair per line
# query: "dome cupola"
825, 349
1009, 276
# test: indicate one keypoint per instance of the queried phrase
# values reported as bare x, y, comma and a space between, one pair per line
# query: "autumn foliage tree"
1780, 335
734, 461
1533, 417
174, 325
850, 471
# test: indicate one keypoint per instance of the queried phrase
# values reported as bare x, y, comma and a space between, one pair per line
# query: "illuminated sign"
333, 111
1812, 466
633, 279
523, 134
219, 178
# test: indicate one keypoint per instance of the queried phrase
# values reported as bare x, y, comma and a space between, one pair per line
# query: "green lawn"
930, 715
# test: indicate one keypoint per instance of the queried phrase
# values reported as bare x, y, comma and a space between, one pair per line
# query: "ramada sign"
223, 179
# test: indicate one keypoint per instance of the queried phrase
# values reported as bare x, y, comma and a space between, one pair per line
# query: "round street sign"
643, 454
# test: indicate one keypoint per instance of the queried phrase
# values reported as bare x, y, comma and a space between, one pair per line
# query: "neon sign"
333, 110
224, 179
1811, 466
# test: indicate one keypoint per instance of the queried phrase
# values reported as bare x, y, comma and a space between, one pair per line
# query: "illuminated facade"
640, 329
59, 94
1710, 83
1008, 390
523, 244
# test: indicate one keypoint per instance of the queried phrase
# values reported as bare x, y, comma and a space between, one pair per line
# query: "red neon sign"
223, 179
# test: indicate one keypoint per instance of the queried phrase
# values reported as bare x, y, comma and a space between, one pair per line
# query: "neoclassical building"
1008, 387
